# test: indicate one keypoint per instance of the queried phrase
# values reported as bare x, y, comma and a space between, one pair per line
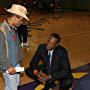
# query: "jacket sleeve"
35, 59
4, 65
65, 65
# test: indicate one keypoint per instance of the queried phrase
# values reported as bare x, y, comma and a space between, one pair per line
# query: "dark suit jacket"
60, 66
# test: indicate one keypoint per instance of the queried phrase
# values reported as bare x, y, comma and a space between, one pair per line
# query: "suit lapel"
53, 56
45, 55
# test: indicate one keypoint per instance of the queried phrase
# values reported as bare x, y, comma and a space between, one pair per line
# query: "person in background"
23, 34
55, 64
10, 49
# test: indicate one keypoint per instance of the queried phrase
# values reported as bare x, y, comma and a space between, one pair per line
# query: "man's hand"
41, 76
11, 70
38, 75
45, 76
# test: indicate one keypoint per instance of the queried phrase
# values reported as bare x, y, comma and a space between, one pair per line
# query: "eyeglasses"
20, 18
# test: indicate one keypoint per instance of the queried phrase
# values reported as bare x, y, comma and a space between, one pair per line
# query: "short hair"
55, 35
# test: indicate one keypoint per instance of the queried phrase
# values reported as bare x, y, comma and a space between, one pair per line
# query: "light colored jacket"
10, 50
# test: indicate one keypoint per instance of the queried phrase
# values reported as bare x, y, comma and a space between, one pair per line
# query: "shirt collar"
51, 52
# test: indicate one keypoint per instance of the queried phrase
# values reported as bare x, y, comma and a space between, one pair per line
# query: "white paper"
18, 69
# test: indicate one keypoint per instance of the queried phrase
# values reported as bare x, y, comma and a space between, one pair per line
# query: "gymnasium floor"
74, 28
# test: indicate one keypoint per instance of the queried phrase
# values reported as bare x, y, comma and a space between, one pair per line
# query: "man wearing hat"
10, 50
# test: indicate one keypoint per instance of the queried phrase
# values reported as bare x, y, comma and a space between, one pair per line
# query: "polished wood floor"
74, 29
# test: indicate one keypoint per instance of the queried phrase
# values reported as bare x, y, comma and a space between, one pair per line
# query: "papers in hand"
18, 69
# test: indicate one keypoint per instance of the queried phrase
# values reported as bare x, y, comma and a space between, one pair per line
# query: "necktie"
49, 68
